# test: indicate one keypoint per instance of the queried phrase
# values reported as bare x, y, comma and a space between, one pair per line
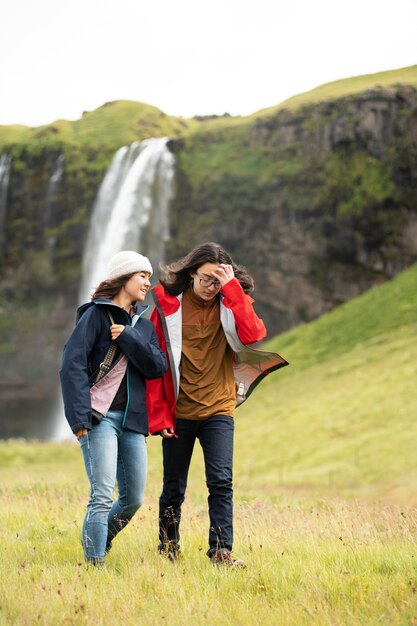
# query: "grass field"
325, 498
312, 558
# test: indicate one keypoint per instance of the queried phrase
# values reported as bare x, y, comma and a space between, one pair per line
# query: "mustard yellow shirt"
207, 385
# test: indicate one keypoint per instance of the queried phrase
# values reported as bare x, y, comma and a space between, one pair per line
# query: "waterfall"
51, 200
5, 164
130, 213
52, 189
131, 209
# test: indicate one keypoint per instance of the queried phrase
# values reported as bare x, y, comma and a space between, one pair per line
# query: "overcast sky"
188, 57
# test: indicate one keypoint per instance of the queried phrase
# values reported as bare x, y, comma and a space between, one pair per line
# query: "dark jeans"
216, 439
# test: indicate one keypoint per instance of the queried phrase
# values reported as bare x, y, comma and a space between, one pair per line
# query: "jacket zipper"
127, 368
127, 379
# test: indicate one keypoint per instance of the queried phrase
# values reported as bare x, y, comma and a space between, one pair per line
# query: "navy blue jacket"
85, 350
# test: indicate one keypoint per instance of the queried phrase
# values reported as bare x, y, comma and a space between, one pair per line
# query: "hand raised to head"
224, 273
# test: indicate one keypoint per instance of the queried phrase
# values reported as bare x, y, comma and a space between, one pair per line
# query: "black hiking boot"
170, 550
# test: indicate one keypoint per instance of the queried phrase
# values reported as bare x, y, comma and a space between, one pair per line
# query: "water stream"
131, 212
5, 163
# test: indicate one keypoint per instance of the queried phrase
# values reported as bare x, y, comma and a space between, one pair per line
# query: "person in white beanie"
110, 354
126, 263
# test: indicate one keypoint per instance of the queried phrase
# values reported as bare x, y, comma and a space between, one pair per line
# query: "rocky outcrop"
369, 121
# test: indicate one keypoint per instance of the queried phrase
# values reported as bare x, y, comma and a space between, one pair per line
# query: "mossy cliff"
316, 197
320, 203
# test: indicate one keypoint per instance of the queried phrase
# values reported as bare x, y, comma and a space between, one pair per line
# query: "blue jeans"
111, 453
216, 439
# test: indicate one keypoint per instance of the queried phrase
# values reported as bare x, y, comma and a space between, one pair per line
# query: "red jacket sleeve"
250, 328
160, 399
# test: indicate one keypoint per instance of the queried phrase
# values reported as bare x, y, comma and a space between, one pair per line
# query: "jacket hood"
139, 308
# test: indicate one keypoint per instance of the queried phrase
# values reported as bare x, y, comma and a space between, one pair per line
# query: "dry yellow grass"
310, 559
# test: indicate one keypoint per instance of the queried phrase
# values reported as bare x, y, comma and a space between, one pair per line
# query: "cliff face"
50, 194
319, 204
327, 209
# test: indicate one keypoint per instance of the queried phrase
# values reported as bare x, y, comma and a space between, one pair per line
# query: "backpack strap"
108, 359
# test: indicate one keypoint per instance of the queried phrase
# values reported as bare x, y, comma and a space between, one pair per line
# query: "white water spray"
131, 210
5, 165
50, 204
129, 213
53, 187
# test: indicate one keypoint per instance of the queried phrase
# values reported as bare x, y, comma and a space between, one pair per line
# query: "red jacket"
241, 326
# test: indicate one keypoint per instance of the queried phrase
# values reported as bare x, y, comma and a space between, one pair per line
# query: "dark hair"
177, 274
110, 288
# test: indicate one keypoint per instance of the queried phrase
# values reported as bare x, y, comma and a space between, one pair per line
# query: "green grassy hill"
112, 125
329, 91
123, 121
227, 147
343, 415
348, 87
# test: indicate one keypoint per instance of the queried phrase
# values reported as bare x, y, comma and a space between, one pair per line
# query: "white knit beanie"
127, 262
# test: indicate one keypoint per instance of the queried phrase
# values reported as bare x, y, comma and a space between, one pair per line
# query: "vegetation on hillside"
121, 122
343, 169
111, 126
383, 310
343, 415
349, 87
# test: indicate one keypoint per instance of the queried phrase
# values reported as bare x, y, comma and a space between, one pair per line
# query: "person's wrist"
228, 281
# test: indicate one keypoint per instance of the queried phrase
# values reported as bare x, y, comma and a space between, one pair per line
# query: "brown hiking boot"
225, 558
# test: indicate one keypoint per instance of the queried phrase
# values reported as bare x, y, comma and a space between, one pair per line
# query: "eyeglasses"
207, 282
